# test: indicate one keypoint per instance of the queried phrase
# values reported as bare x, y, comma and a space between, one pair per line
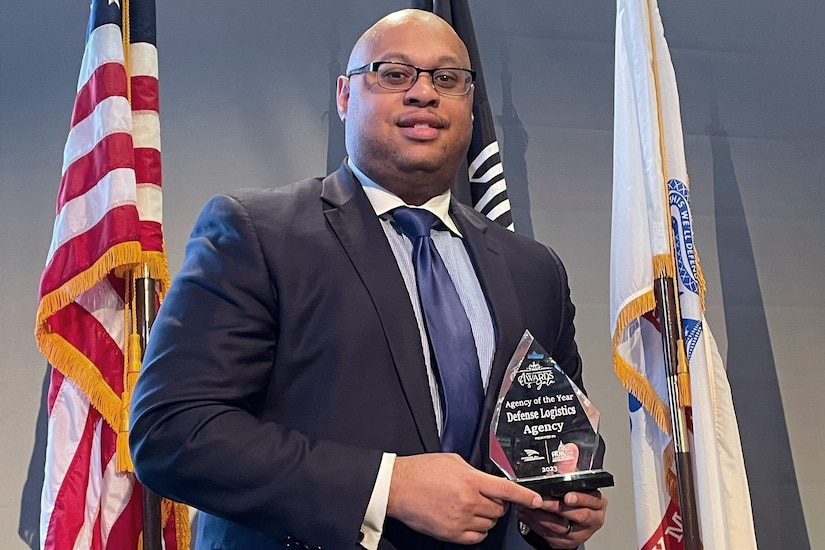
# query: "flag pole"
145, 313
678, 389
673, 347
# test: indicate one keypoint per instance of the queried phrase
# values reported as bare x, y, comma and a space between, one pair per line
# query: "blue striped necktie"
449, 331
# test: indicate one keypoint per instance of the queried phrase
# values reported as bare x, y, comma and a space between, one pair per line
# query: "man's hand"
567, 522
440, 495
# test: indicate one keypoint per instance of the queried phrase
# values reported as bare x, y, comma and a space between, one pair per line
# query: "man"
290, 390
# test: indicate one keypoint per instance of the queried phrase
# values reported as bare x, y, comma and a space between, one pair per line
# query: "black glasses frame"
374, 65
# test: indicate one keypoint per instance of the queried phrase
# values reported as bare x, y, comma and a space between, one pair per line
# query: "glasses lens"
395, 76
452, 81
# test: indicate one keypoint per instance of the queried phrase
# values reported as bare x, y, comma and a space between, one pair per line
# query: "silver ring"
569, 527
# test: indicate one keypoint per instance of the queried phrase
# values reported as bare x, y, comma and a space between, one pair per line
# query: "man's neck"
414, 189
383, 200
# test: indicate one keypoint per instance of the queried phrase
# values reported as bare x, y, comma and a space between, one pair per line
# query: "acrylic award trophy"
545, 431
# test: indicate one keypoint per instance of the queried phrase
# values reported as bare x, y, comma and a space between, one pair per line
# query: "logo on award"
562, 454
531, 455
537, 374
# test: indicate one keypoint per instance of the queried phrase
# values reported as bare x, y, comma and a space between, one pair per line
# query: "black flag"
488, 190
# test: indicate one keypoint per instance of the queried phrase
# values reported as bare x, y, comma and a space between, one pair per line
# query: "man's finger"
500, 488
593, 500
490, 509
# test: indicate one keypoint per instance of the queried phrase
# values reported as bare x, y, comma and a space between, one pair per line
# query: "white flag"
652, 236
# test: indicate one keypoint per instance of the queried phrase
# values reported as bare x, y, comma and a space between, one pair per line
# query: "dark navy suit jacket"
286, 359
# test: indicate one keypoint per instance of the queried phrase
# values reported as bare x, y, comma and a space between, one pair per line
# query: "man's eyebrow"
444, 60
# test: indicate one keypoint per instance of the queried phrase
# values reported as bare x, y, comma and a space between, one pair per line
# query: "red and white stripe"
96, 203
146, 136
86, 503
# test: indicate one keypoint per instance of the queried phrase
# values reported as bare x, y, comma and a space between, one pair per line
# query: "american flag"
653, 237
107, 226
488, 189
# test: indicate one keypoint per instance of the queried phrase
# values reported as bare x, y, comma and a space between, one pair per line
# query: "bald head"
425, 23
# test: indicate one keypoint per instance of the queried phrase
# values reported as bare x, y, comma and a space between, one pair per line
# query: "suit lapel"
486, 253
358, 229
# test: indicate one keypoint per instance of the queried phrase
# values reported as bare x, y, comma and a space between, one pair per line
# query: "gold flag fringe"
183, 533
671, 480
663, 266
158, 269
120, 257
638, 385
632, 380
701, 277
82, 372
65, 357
126, 34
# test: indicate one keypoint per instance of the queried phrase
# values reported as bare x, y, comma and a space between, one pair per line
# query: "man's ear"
342, 96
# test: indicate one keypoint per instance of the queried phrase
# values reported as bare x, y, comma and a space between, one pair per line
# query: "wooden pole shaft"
146, 310
677, 372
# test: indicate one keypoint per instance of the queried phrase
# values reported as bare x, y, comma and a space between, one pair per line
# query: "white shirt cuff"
373, 524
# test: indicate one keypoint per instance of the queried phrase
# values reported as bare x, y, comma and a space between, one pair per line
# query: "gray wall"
245, 90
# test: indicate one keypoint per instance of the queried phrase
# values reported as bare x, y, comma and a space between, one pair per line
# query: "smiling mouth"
422, 121
421, 131
435, 126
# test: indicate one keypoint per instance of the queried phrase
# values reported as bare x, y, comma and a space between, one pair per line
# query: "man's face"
396, 136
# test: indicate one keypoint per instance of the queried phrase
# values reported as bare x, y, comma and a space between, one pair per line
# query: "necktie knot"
414, 222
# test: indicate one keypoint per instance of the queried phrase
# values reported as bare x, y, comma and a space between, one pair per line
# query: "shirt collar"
383, 201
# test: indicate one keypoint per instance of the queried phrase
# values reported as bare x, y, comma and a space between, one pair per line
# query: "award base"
557, 486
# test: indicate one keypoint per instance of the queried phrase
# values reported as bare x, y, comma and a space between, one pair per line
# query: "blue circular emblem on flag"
678, 199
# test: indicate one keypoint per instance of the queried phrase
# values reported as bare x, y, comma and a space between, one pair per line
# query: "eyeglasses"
400, 77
